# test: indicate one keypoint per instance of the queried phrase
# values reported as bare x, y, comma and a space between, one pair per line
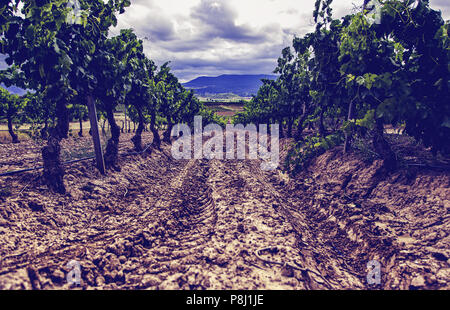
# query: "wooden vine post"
125, 111
95, 135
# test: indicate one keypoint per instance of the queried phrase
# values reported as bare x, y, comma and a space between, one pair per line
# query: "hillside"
242, 85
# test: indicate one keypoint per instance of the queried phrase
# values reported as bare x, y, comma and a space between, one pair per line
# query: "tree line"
62, 51
383, 65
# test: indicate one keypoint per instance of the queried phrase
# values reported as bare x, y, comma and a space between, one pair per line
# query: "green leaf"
360, 80
446, 123
66, 61
41, 71
56, 47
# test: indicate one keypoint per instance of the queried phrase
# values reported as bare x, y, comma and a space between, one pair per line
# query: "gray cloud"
3, 64
218, 20
158, 28
443, 6
148, 21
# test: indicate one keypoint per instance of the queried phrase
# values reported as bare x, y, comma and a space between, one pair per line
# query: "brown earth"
200, 224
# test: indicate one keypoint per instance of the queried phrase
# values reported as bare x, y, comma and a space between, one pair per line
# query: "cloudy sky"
213, 37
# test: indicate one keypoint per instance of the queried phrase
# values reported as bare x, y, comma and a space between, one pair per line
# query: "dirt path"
162, 224
211, 225
219, 224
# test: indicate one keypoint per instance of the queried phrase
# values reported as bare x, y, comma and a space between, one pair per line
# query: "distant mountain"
242, 85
